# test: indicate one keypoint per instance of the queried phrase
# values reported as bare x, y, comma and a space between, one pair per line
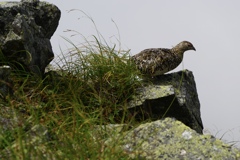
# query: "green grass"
56, 117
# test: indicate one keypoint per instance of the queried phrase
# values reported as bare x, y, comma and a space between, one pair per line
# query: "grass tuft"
57, 117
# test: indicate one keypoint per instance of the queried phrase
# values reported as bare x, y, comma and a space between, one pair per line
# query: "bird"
157, 61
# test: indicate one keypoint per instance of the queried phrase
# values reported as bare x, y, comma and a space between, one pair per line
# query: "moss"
8, 4
152, 92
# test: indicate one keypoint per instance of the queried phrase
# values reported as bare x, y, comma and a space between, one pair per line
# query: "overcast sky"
213, 27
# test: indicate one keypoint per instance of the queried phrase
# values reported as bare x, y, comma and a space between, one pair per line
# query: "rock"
171, 139
171, 95
30, 1
5, 83
37, 137
25, 31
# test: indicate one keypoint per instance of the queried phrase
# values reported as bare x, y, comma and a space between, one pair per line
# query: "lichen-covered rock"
25, 31
36, 137
171, 139
171, 95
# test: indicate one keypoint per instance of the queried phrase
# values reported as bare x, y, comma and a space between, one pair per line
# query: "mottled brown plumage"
157, 61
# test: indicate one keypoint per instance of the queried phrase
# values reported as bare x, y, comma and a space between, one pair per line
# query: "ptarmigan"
157, 61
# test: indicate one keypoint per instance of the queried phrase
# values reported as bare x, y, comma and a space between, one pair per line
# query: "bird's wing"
152, 58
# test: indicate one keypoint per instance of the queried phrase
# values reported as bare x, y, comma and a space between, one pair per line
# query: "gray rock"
171, 95
171, 139
37, 136
30, 1
25, 31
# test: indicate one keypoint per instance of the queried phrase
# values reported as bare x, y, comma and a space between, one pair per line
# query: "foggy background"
213, 27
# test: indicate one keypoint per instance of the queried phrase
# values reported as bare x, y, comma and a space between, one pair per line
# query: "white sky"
213, 27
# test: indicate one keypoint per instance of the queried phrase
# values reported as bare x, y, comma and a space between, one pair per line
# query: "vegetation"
61, 115
56, 117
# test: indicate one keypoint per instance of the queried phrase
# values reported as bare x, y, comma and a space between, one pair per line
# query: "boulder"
25, 31
170, 139
171, 95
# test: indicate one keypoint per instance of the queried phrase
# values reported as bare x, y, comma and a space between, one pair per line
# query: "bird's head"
184, 46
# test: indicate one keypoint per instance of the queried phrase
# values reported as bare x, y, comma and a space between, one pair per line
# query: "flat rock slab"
172, 95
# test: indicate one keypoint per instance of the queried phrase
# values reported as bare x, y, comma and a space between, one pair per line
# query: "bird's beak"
193, 49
